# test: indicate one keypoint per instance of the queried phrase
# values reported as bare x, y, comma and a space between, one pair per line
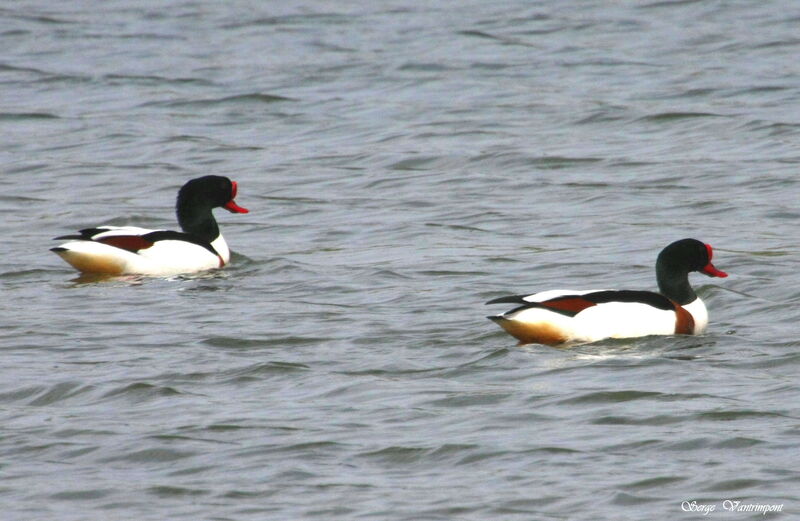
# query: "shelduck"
130, 250
558, 317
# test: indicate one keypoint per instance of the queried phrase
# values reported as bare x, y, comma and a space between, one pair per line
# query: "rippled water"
403, 164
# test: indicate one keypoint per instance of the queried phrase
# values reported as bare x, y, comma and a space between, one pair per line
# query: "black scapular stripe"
170, 235
513, 299
649, 298
158, 235
83, 235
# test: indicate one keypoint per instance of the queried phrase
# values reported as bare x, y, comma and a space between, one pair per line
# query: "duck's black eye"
704, 254
226, 189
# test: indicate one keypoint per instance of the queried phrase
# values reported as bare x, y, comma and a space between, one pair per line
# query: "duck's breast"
699, 313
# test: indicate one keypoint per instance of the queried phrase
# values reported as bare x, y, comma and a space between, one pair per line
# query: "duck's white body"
130, 250
561, 316
599, 321
162, 258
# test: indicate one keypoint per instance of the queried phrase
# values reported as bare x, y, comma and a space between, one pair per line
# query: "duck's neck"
674, 283
199, 221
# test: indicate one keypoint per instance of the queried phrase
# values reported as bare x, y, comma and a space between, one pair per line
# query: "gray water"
403, 163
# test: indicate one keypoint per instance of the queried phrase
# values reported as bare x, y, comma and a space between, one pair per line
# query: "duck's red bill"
231, 205
712, 271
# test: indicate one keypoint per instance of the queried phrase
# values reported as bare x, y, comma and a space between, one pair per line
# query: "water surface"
403, 164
